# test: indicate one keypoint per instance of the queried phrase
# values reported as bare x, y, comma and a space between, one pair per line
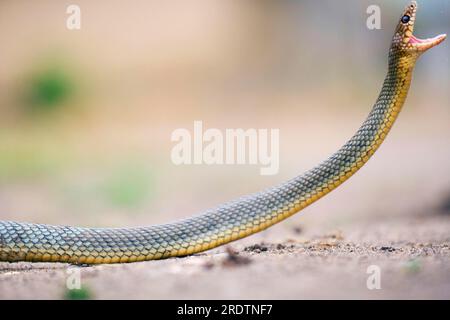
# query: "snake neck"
357, 151
392, 97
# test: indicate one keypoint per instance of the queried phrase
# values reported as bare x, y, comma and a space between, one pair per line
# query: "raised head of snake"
235, 219
405, 46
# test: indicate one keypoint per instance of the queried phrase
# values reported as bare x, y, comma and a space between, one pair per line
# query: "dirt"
393, 216
412, 254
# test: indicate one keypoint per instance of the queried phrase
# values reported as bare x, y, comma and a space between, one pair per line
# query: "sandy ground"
413, 255
394, 215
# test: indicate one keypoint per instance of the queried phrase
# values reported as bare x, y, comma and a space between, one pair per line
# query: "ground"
412, 254
392, 216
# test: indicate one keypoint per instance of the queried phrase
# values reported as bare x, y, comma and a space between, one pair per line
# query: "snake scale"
239, 218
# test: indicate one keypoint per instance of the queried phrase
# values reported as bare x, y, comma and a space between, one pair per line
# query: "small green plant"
413, 266
128, 187
48, 90
78, 294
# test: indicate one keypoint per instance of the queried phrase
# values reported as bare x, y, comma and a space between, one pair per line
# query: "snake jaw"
423, 45
405, 41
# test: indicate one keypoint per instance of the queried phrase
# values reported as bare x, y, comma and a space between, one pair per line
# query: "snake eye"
405, 18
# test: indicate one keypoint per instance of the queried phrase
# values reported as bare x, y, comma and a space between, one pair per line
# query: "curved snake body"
239, 218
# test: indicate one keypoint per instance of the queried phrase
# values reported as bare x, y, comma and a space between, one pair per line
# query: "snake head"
405, 41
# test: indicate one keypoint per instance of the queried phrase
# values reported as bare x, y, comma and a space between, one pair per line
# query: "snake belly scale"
239, 218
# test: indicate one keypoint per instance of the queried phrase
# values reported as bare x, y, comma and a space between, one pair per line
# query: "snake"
235, 219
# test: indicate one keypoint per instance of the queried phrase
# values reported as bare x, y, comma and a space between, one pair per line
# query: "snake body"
239, 218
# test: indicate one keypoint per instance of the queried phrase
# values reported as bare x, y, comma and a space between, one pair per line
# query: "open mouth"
436, 40
422, 45
407, 21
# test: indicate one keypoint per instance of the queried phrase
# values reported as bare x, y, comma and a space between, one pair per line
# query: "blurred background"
86, 115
